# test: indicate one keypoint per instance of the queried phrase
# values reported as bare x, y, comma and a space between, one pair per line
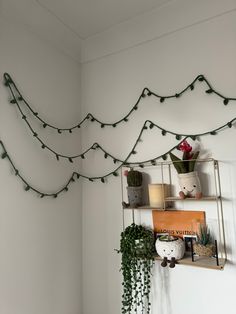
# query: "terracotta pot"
189, 183
204, 250
134, 195
170, 248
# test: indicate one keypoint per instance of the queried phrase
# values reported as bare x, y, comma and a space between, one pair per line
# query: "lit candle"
157, 194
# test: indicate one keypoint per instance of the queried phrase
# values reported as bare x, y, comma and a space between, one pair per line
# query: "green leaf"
226, 101
4, 155
192, 162
176, 162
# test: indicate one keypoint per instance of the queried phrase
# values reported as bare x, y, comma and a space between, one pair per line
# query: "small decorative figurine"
188, 178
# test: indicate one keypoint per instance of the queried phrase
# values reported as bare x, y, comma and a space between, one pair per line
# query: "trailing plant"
137, 248
134, 177
204, 235
188, 161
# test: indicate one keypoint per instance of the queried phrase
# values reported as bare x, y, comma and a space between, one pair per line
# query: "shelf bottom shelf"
200, 261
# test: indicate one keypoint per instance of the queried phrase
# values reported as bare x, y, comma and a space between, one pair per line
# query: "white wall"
40, 239
163, 50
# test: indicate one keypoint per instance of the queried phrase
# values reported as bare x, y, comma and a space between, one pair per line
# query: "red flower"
185, 147
126, 172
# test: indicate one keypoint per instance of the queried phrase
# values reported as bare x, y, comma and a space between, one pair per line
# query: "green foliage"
184, 165
134, 178
204, 235
192, 162
136, 247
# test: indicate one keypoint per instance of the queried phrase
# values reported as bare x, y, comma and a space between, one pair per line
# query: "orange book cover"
178, 222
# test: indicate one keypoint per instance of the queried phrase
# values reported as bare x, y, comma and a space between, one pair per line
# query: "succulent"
134, 178
204, 235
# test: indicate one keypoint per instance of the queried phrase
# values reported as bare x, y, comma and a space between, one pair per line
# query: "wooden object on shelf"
200, 261
178, 222
204, 198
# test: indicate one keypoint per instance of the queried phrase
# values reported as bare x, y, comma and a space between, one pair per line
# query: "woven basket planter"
204, 250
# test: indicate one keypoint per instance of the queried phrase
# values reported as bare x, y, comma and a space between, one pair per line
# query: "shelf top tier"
204, 198
166, 163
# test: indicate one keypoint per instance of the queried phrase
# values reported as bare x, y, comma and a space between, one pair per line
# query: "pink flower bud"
126, 172
185, 147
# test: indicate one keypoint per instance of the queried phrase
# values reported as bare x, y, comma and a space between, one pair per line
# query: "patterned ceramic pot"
189, 183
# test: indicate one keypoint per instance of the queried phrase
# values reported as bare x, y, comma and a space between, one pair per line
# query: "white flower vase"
190, 184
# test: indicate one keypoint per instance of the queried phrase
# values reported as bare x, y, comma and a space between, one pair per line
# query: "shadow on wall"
161, 290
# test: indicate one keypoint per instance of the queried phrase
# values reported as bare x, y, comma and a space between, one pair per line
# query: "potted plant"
170, 249
134, 188
188, 178
137, 248
204, 245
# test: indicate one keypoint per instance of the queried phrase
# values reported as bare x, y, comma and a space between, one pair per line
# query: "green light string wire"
145, 92
97, 146
147, 124
59, 155
77, 175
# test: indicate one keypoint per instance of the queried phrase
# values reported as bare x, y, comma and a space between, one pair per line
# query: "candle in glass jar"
157, 193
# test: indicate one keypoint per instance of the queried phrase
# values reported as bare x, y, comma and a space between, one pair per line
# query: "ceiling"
66, 23
88, 17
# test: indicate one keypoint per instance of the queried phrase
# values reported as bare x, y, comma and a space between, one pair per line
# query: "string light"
4, 155
151, 125
163, 132
8, 82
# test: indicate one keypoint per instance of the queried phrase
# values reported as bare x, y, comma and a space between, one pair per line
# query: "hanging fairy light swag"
19, 102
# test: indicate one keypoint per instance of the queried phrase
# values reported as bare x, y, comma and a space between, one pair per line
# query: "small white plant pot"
190, 183
174, 248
